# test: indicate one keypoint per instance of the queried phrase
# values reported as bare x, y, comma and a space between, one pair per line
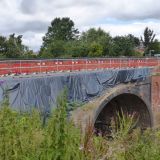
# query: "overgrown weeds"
24, 137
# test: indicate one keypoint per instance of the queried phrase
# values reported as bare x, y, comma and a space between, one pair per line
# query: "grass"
23, 136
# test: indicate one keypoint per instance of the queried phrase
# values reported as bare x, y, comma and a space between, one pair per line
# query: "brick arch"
91, 110
128, 102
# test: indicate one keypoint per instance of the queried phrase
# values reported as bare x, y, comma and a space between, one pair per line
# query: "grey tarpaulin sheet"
41, 92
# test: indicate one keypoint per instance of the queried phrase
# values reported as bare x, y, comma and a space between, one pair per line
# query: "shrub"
24, 137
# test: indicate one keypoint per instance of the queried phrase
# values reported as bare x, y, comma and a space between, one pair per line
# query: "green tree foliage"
12, 47
98, 36
123, 46
78, 48
148, 38
134, 40
60, 31
55, 49
29, 54
62, 40
155, 46
95, 50
3, 46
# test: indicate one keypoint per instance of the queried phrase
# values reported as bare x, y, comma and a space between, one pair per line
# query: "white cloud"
33, 40
32, 17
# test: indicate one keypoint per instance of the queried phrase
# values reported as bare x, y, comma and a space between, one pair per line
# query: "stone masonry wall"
155, 98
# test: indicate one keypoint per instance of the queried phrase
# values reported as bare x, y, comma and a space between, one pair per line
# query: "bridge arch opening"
126, 103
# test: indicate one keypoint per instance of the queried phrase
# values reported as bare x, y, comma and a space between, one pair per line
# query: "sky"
31, 18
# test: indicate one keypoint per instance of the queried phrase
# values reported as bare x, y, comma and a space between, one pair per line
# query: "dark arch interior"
129, 104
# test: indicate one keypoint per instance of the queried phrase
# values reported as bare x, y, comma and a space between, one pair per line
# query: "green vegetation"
149, 40
12, 47
24, 137
63, 40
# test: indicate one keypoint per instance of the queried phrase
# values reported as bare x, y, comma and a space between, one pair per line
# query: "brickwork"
148, 91
136, 96
155, 97
155, 93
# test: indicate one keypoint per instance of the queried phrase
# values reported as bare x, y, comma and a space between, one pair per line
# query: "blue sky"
31, 18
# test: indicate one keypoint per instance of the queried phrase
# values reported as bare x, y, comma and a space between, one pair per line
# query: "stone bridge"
103, 92
141, 99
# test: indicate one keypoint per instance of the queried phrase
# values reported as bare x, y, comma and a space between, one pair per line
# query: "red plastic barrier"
57, 65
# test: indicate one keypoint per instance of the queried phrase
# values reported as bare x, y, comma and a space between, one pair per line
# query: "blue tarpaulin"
41, 91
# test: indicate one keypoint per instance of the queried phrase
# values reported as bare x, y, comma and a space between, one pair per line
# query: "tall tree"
95, 50
134, 40
12, 47
97, 38
155, 47
3, 45
122, 46
61, 29
148, 38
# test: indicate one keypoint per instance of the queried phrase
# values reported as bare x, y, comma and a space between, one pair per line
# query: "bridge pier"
155, 99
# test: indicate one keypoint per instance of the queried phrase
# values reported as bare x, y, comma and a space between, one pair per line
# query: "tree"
94, 35
95, 50
122, 46
3, 44
134, 40
78, 48
61, 30
12, 47
148, 38
28, 53
98, 36
155, 46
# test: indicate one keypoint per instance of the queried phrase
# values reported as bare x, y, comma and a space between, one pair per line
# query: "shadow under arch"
128, 103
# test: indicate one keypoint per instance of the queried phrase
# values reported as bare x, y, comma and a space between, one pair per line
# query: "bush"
24, 137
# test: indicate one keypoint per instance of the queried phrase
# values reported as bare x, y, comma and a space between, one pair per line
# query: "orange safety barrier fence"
60, 65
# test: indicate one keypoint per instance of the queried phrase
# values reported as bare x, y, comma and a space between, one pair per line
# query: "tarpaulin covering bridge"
41, 91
